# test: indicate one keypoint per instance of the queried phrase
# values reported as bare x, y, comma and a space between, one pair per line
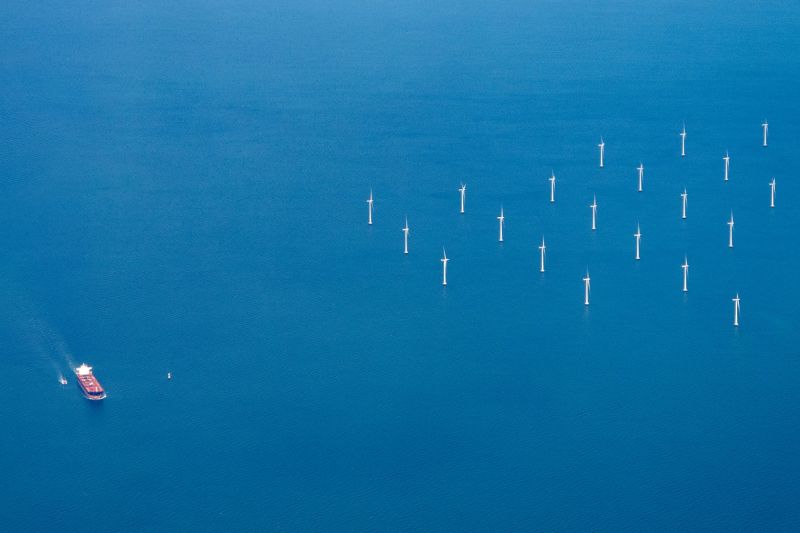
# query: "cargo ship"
89, 385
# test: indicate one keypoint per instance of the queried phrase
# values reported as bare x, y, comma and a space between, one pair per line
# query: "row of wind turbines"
593, 206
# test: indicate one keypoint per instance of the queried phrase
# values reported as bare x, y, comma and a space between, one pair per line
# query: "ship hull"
94, 398
90, 387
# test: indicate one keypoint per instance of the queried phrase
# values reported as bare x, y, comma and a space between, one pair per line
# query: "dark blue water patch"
184, 190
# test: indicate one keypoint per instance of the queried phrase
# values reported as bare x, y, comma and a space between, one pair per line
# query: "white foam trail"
38, 346
42, 339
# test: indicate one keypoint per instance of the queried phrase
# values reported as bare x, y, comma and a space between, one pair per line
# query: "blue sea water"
183, 190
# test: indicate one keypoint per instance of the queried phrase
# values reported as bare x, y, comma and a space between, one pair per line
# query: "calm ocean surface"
184, 187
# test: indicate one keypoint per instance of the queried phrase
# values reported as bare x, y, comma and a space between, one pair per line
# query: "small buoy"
62, 380
169, 375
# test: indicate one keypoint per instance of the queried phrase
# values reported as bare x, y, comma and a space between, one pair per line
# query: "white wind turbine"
444, 266
772, 193
602, 147
727, 160
685, 267
765, 126
369, 202
593, 205
542, 249
736, 304
684, 196
586, 287
640, 168
405, 237
683, 141
638, 236
501, 218
730, 231
463, 190
552, 180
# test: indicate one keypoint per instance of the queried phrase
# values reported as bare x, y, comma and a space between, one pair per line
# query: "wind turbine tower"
727, 160
685, 267
444, 267
405, 237
640, 168
683, 141
586, 287
602, 146
542, 249
684, 196
730, 231
501, 218
772, 193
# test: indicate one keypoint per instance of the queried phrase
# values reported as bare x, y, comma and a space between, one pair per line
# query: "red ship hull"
91, 388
